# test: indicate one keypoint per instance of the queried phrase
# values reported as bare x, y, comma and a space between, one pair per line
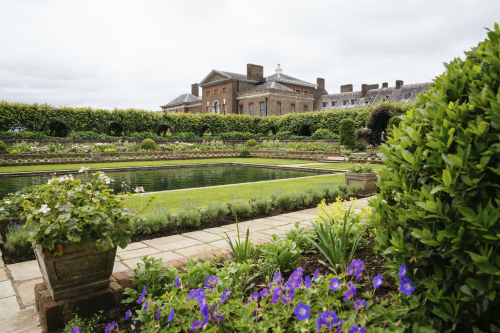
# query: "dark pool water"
163, 179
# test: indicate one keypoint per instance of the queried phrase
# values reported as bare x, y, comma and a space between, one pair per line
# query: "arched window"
216, 107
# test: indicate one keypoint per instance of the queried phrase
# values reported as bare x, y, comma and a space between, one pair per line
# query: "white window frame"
262, 110
250, 109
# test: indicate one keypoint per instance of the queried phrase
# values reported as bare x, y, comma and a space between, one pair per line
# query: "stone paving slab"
6, 289
287, 227
23, 321
253, 226
132, 246
25, 270
137, 253
203, 236
119, 267
190, 251
285, 219
8, 305
25, 290
170, 243
218, 230
301, 216
272, 223
3, 275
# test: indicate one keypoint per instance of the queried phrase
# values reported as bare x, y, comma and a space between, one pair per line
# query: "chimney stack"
321, 83
346, 88
385, 85
195, 90
255, 72
366, 87
399, 84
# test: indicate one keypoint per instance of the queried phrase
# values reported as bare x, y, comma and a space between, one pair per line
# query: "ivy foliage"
438, 209
380, 115
347, 134
3, 148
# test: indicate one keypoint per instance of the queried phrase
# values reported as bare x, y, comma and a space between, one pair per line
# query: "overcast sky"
144, 53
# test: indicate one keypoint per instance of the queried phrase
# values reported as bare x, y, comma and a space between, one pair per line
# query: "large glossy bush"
3, 148
438, 209
347, 134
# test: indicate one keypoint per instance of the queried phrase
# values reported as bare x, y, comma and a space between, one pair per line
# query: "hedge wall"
45, 118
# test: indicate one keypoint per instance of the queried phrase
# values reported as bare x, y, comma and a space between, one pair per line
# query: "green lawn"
174, 199
77, 165
344, 166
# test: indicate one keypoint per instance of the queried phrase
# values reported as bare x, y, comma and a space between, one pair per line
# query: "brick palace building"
278, 94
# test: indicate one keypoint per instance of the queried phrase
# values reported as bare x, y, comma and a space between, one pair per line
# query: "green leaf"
446, 178
475, 284
487, 268
456, 160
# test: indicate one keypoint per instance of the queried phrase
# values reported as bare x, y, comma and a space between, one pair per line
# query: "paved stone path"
17, 281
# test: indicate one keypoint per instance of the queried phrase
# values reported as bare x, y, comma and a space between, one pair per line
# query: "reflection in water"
168, 179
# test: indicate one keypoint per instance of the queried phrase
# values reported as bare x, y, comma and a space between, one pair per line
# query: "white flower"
83, 169
1, 208
139, 189
44, 209
8, 202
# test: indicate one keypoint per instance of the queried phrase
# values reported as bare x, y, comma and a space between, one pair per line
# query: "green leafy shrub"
336, 191
347, 134
251, 143
394, 121
148, 145
18, 236
157, 220
323, 134
261, 205
355, 188
244, 152
285, 201
217, 210
282, 253
303, 199
361, 168
240, 208
57, 210
3, 148
438, 210
317, 194
189, 217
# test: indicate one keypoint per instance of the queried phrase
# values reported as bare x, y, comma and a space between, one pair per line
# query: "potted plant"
11, 208
369, 150
346, 153
364, 174
78, 227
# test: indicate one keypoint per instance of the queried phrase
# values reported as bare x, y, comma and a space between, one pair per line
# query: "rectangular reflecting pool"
165, 179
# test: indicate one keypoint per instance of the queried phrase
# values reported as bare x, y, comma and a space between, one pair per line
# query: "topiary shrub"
148, 144
323, 134
244, 152
394, 121
3, 148
347, 134
438, 210
380, 115
251, 143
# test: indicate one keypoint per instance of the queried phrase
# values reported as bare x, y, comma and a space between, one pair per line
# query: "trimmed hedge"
347, 134
39, 120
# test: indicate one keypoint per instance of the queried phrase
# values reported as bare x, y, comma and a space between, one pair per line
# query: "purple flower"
328, 318
158, 315
177, 282
110, 327
307, 283
316, 274
145, 306
264, 293
255, 296
377, 281
197, 324
226, 294
334, 284
357, 329
358, 304
77, 330
277, 295
402, 271
212, 282
406, 286
141, 297
171, 316
288, 297
339, 329
302, 311
277, 277
206, 281
319, 323
193, 294
351, 291
128, 315
356, 267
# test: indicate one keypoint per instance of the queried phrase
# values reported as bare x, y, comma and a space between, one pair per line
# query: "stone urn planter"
369, 152
95, 156
369, 181
79, 270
